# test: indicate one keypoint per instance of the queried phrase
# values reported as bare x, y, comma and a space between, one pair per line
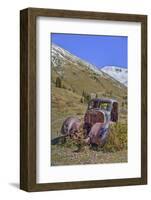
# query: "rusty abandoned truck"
99, 114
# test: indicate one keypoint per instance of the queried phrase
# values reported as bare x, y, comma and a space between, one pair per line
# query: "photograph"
83, 99
89, 84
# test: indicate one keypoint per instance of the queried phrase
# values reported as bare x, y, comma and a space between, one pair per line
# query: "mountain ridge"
58, 51
66, 65
74, 58
116, 72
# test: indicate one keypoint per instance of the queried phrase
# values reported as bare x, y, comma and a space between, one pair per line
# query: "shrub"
117, 139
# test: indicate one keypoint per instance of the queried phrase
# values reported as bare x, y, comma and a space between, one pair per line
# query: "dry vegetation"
117, 140
66, 101
114, 151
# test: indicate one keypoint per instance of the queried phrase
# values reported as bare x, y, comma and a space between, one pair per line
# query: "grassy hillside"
65, 103
76, 78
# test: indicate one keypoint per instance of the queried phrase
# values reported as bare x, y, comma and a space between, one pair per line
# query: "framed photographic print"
83, 99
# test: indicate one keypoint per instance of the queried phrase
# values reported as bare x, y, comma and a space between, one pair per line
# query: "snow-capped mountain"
118, 73
77, 72
58, 53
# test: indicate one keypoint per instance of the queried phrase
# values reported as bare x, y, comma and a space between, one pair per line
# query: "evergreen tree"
83, 93
81, 100
88, 97
58, 82
122, 104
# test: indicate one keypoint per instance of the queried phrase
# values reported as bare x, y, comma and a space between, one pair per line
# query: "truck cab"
100, 110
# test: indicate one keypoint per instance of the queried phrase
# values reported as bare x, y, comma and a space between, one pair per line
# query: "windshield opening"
93, 104
105, 106
100, 105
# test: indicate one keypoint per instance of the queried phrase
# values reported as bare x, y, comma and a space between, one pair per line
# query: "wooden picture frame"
28, 98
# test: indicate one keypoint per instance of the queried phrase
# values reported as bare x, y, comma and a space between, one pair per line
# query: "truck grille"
92, 117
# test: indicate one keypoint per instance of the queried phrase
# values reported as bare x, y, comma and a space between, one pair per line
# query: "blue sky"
98, 50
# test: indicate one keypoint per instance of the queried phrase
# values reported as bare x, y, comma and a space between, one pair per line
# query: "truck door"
114, 112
